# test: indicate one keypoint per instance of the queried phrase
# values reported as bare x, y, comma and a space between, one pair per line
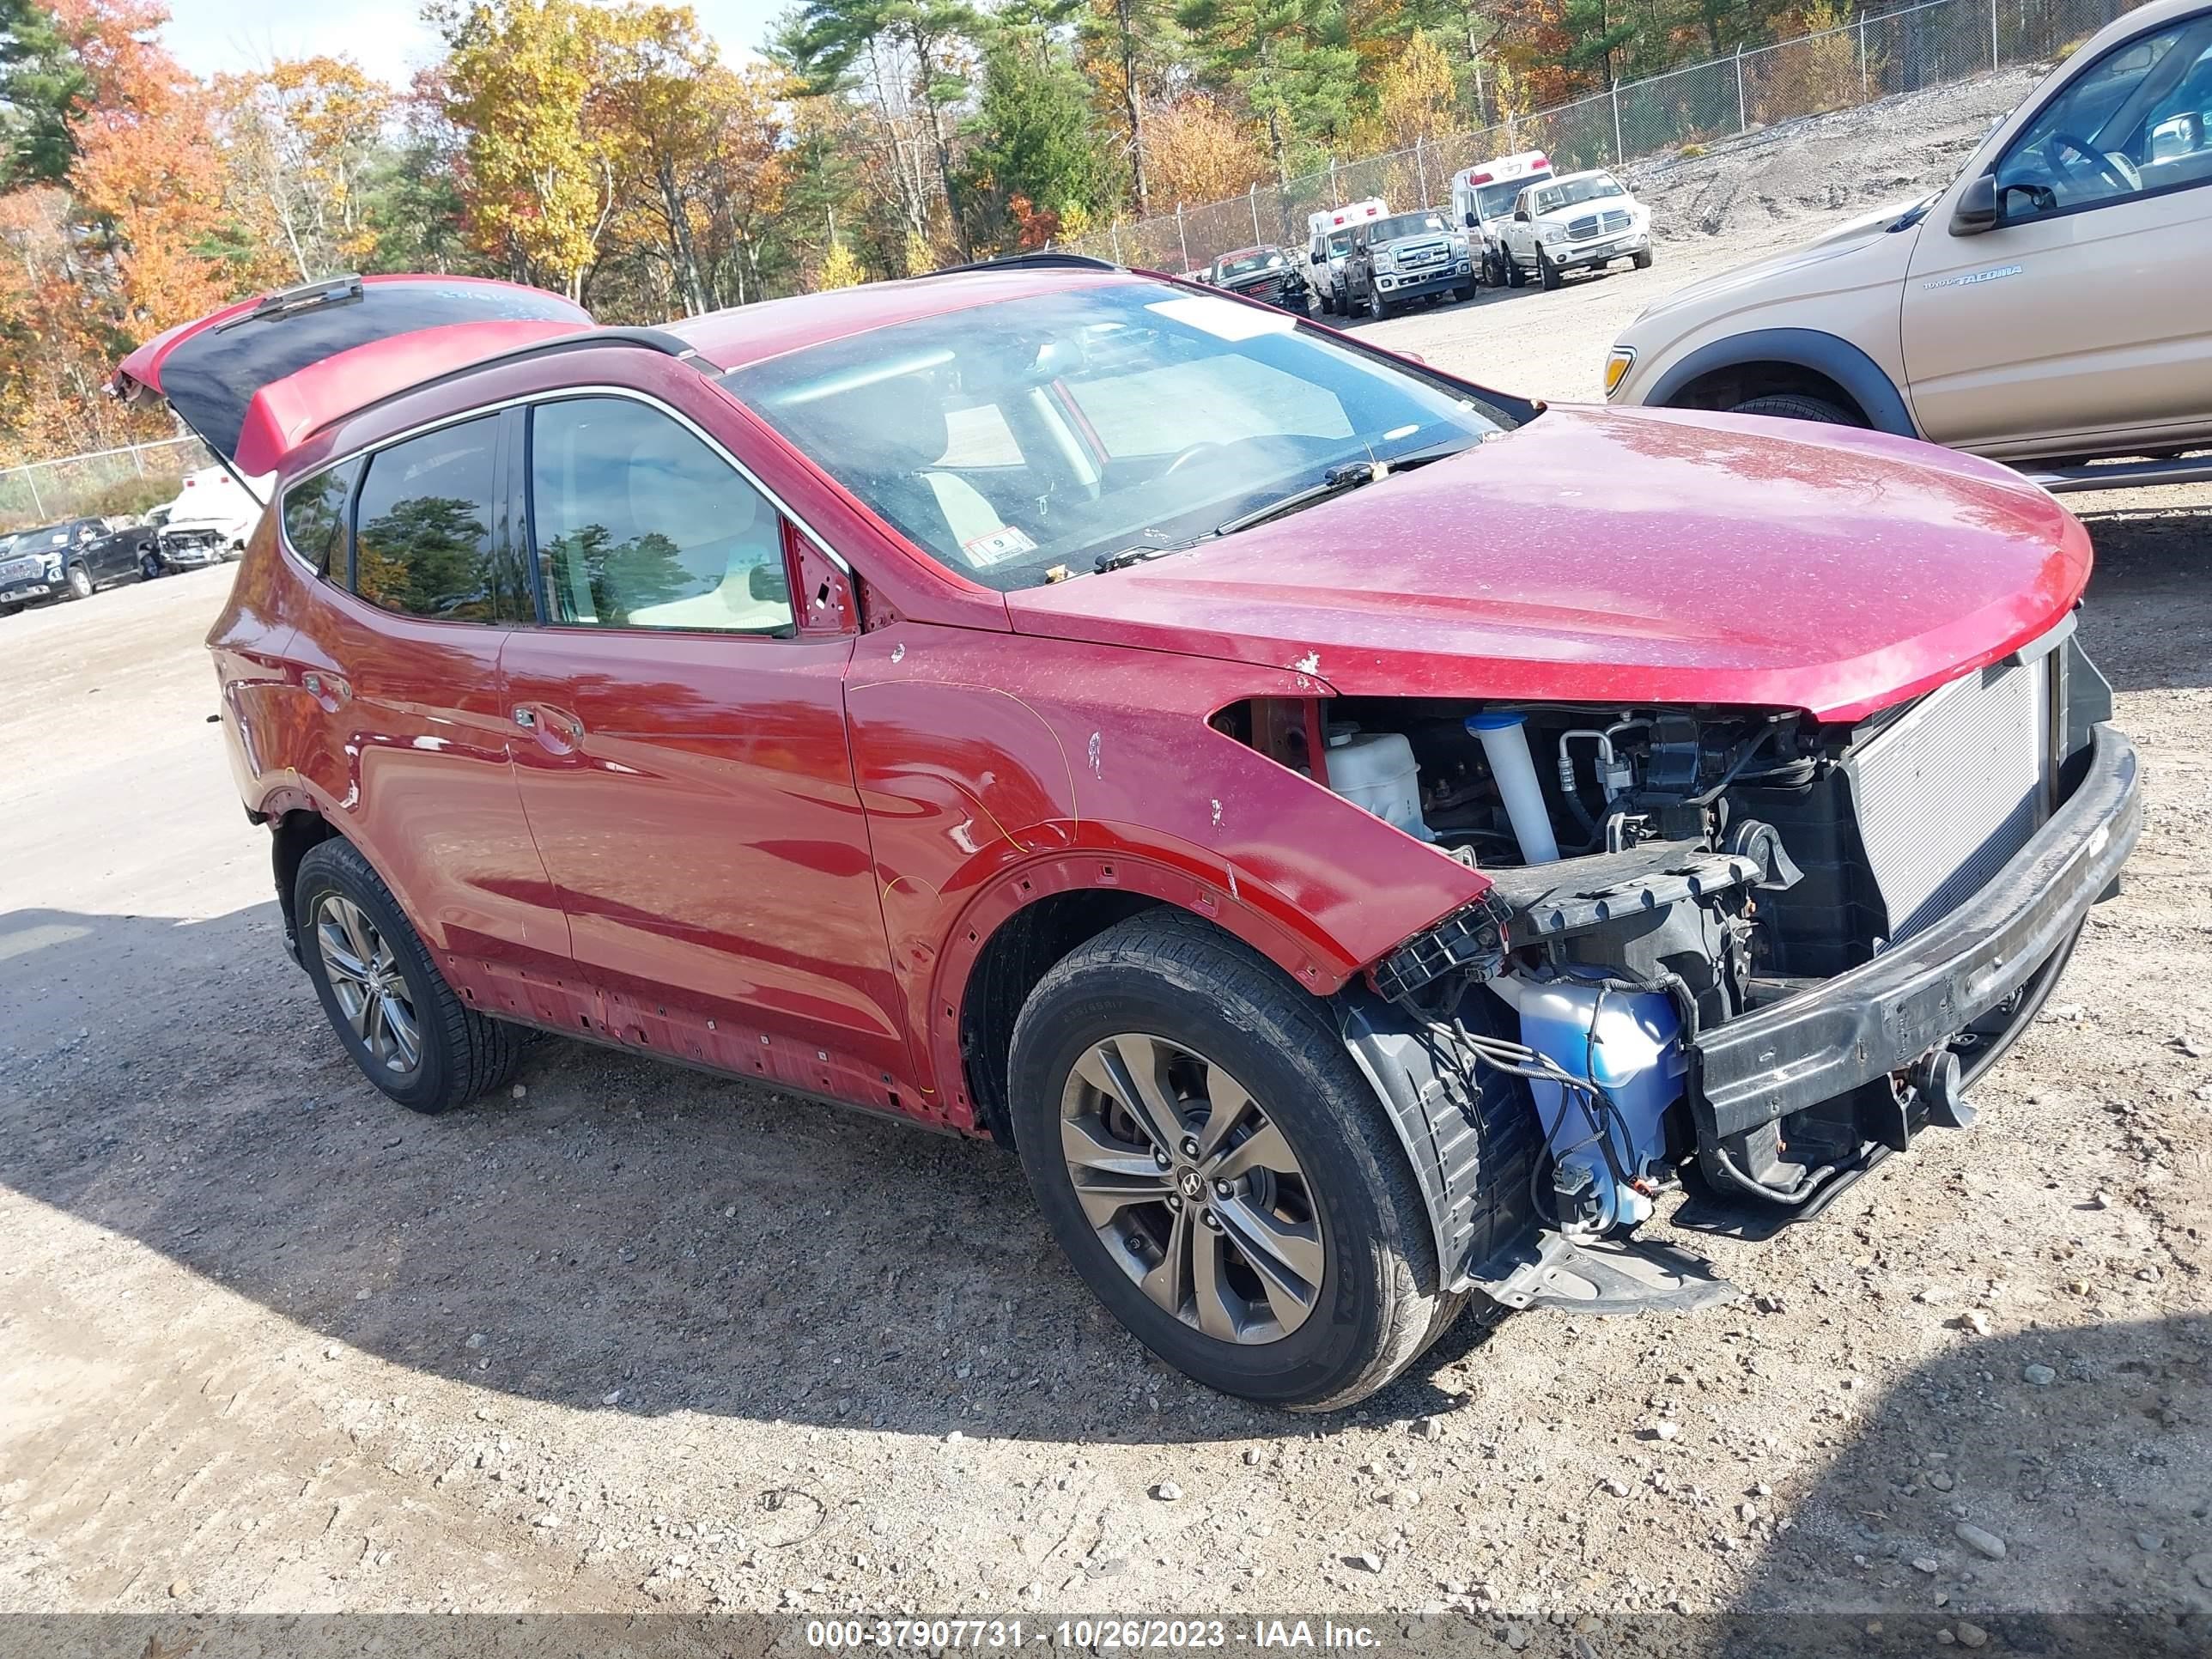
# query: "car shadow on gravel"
2152, 587
2048, 1491
618, 1235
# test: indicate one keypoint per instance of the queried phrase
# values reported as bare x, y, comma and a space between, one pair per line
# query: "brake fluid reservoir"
1630, 1044
1375, 770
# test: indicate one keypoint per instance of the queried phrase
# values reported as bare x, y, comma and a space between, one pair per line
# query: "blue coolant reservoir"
1630, 1044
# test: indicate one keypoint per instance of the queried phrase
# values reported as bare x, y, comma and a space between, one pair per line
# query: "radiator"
1951, 789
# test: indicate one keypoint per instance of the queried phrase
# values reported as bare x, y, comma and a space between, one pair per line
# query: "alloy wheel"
1191, 1188
365, 979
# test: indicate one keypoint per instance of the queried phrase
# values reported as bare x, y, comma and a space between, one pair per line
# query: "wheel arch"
1014, 930
1767, 360
294, 832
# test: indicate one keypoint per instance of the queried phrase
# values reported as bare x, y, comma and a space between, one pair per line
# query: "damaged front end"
1747, 944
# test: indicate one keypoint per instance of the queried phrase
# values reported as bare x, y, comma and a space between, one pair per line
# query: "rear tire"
149, 566
1798, 406
1167, 1013
377, 984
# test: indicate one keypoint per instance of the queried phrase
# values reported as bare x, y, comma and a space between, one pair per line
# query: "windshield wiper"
1337, 481
1140, 553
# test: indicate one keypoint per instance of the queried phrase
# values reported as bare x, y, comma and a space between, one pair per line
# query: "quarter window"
422, 531
315, 516
639, 524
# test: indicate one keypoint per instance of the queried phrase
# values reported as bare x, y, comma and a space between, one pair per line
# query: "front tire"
1377, 306
1515, 276
1798, 406
1548, 274
77, 583
1217, 1170
392, 1009
1642, 261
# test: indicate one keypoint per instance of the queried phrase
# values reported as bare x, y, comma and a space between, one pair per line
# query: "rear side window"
315, 516
639, 524
422, 531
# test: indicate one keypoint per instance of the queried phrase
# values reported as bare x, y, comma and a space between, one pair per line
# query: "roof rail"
649, 340
1042, 259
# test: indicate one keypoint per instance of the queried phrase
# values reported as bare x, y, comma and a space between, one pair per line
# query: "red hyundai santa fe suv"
1363, 839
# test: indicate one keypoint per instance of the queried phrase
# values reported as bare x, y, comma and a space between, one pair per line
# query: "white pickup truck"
1576, 221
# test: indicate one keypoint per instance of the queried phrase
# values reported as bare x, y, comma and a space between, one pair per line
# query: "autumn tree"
1200, 152
540, 183
303, 141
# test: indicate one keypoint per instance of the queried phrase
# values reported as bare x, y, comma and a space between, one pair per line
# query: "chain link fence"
107, 481
1874, 56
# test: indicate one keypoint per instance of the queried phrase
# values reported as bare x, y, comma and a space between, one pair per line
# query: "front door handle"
526, 719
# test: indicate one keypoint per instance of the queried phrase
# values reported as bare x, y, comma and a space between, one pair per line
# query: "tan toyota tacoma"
2051, 308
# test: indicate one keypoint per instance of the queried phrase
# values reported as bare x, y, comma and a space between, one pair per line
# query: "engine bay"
1657, 873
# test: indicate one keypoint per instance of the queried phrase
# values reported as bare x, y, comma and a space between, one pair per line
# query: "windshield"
1014, 439
1573, 192
1340, 244
1404, 224
1495, 201
1244, 265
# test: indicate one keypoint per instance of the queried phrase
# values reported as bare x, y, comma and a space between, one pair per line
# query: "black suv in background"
70, 559
1407, 256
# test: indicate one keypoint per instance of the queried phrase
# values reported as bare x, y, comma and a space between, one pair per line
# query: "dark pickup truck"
70, 559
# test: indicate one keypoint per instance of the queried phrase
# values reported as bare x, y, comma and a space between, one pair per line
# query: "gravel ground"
633, 1340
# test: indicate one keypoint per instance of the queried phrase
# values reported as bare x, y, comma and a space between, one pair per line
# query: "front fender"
994, 775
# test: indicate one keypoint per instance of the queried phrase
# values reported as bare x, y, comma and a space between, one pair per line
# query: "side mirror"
769, 581
1317, 258
1977, 210
1469, 217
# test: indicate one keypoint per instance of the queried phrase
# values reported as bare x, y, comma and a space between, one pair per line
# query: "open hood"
1643, 555
253, 379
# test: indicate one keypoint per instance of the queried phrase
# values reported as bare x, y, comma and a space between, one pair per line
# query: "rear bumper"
1878, 1019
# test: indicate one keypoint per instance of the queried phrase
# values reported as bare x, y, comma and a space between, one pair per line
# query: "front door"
2080, 319
685, 769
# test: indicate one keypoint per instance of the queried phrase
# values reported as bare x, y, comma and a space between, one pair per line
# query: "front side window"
422, 531
315, 516
640, 524
1135, 416
2134, 121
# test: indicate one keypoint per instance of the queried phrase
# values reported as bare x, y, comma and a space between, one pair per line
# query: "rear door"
2080, 319
401, 659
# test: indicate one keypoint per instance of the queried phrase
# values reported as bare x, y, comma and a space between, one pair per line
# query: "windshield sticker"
1225, 319
1967, 279
997, 547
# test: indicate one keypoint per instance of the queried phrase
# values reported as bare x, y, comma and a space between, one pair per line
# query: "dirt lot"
636, 1340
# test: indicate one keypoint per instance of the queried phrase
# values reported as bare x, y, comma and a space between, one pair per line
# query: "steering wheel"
1190, 454
2059, 143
